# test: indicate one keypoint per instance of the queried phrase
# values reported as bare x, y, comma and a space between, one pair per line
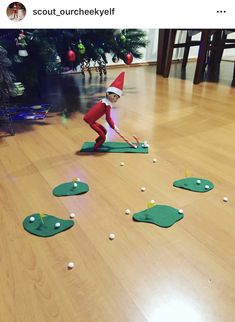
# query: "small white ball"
122, 164
75, 185
72, 215
145, 145
154, 160
180, 211
207, 187
198, 181
70, 265
32, 219
143, 189
127, 211
57, 225
152, 201
225, 199
111, 236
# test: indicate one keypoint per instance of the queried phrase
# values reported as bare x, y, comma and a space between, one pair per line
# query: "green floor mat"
194, 184
44, 225
160, 215
113, 147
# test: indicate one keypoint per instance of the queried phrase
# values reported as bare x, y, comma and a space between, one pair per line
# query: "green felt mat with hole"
67, 189
113, 147
194, 184
160, 215
46, 226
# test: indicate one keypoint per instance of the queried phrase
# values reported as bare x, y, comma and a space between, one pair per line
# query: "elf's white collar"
106, 102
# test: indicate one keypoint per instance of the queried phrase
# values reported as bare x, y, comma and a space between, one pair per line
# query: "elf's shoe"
99, 142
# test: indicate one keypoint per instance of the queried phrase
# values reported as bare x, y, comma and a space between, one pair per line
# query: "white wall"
150, 52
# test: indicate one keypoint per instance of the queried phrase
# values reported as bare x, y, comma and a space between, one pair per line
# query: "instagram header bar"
123, 14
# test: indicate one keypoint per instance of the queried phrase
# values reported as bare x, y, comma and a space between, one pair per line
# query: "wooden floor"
184, 273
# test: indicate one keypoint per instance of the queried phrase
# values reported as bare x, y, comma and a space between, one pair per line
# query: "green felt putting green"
160, 215
113, 147
194, 184
45, 227
67, 189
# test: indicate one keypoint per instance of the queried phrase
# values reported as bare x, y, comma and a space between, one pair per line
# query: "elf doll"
15, 10
103, 107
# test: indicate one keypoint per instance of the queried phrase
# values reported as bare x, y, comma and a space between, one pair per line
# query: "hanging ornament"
117, 32
128, 58
115, 59
58, 59
22, 44
71, 55
100, 51
19, 88
81, 48
123, 38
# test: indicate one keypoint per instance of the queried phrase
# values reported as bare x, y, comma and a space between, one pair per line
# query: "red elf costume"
103, 107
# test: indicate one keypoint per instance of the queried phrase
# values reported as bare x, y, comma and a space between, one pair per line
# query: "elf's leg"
101, 139
102, 134
102, 128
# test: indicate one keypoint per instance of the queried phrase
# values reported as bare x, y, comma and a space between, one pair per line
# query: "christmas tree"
36, 52
52, 49
7, 86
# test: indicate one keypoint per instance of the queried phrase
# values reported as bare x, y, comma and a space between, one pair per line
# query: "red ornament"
71, 55
128, 58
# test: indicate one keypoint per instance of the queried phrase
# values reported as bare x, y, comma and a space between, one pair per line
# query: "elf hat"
117, 85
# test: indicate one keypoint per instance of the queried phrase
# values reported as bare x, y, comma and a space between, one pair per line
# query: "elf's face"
112, 97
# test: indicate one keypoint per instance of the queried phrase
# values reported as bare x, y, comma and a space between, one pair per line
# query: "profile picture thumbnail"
16, 11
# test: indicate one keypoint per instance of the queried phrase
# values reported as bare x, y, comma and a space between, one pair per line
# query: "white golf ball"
127, 211
111, 236
70, 265
143, 189
57, 225
122, 164
207, 187
225, 199
72, 215
198, 181
152, 201
145, 145
75, 185
154, 160
180, 211
31, 219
